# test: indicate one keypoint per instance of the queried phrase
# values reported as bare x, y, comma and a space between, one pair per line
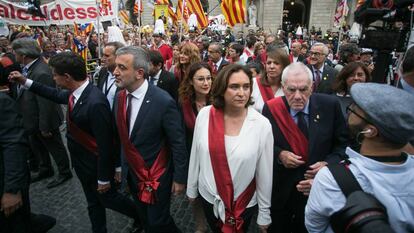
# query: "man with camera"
382, 121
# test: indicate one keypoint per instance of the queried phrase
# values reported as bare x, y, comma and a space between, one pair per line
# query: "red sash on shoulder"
297, 141
148, 177
265, 91
80, 135
189, 116
233, 209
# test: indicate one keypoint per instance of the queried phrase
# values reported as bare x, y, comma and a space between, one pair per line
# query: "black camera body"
362, 213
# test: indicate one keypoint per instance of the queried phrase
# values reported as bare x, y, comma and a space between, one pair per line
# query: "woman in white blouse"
232, 156
268, 85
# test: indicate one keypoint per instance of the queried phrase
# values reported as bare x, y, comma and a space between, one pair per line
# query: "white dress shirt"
249, 155
110, 83
257, 96
156, 78
136, 101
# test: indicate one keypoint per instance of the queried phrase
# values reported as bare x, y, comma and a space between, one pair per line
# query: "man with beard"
309, 130
382, 121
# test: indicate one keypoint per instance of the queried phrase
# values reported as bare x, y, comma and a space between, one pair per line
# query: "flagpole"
98, 27
139, 22
181, 21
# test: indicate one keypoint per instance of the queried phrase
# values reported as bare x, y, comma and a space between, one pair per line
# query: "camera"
362, 213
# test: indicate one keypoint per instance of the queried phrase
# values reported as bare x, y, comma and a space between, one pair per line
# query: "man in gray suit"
41, 117
323, 74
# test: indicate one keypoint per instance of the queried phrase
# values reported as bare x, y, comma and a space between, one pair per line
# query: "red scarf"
265, 91
80, 136
297, 141
224, 184
189, 116
148, 177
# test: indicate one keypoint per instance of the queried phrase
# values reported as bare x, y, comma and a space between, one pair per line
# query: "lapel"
314, 121
82, 99
146, 105
161, 79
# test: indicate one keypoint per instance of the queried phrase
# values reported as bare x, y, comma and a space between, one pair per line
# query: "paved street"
67, 204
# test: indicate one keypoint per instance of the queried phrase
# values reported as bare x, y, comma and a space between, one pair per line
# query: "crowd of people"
245, 127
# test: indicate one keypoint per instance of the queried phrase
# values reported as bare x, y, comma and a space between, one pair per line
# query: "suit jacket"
158, 122
328, 139
168, 83
327, 79
13, 148
92, 114
38, 112
222, 64
102, 77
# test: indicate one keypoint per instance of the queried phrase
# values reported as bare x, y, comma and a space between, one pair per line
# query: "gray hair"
295, 68
219, 46
27, 47
325, 48
140, 57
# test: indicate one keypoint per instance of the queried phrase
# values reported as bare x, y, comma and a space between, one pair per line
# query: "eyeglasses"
350, 110
316, 54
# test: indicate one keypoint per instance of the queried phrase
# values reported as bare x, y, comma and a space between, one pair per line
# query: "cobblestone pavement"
67, 204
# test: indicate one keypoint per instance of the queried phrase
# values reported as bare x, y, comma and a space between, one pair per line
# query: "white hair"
325, 48
295, 68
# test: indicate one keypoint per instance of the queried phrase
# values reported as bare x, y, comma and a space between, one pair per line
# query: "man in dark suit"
14, 175
41, 117
152, 139
106, 79
295, 50
323, 75
215, 55
160, 77
310, 131
90, 135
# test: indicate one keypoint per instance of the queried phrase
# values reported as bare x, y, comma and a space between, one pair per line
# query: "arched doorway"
295, 12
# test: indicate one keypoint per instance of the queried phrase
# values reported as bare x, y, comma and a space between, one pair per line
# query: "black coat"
38, 112
168, 83
327, 79
328, 139
13, 148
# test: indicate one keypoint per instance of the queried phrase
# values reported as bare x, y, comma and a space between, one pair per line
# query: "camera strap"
344, 177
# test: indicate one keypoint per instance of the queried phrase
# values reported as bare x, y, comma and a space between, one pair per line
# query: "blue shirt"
304, 110
392, 185
407, 87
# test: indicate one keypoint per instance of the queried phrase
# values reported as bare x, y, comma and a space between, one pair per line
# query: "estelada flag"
234, 11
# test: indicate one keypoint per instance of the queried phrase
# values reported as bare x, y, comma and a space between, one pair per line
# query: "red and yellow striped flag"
123, 15
138, 6
234, 11
180, 7
194, 6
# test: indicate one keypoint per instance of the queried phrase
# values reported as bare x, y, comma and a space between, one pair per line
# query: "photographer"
382, 120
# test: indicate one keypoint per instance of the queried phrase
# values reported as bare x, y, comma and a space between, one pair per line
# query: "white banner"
59, 12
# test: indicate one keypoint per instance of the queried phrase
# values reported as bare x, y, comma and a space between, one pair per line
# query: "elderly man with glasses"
323, 74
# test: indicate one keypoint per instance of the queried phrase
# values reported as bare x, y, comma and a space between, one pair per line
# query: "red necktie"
71, 102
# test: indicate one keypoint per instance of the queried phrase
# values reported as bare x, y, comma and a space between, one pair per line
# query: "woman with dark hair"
354, 72
232, 156
189, 54
268, 85
193, 96
174, 60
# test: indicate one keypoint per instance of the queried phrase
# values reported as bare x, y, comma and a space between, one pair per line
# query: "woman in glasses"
194, 94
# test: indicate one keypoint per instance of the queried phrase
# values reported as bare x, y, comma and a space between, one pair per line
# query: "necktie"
303, 126
152, 80
71, 102
214, 68
128, 110
317, 80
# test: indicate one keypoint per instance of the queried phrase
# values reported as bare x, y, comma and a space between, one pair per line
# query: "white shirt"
218, 63
110, 83
78, 92
392, 185
257, 96
156, 77
136, 101
249, 155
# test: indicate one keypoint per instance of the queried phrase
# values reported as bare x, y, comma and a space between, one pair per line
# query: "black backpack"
362, 212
